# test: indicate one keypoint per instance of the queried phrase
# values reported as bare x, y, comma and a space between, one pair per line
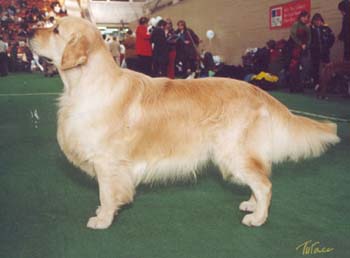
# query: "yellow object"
267, 76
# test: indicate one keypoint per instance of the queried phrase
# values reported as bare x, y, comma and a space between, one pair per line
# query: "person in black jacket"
322, 40
160, 50
344, 8
186, 48
172, 40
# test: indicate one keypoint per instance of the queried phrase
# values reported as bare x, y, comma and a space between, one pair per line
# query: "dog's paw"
248, 206
99, 223
98, 211
251, 220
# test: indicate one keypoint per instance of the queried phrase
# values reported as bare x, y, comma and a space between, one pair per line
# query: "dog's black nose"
30, 33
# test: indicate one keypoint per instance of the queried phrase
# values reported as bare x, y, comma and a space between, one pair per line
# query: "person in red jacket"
144, 47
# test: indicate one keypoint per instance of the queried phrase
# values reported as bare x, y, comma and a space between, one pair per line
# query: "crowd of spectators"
16, 18
157, 49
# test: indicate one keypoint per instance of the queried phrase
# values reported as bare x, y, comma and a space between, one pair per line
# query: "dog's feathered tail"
296, 137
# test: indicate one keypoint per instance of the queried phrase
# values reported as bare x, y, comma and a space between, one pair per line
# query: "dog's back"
188, 122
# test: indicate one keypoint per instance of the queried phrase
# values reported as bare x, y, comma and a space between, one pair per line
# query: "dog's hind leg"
256, 176
116, 188
255, 168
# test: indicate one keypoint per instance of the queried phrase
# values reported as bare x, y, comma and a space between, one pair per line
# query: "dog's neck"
70, 77
100, 65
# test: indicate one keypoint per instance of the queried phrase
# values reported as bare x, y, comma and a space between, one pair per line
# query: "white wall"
112, 12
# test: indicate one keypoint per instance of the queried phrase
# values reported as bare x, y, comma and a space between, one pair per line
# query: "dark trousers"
299, 69
189, 63
132, 63
3, 64
317, 65
294, 70
145, 65
188, 66
160, 67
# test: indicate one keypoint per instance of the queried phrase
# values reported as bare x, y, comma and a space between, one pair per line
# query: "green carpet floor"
45, 202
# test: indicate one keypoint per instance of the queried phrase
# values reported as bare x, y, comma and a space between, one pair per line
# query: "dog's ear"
75, 52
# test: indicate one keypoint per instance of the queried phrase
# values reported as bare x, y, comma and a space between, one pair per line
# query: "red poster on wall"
284, 15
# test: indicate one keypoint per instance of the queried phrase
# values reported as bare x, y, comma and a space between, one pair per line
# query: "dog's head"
68, 43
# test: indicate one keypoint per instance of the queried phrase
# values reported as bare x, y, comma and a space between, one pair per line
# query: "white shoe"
317, 87
191, 76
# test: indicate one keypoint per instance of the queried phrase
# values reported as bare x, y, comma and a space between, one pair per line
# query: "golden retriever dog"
125, 128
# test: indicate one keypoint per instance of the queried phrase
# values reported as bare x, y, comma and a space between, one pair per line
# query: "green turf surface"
45, 202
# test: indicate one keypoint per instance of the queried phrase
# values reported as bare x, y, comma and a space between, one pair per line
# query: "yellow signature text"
313, 247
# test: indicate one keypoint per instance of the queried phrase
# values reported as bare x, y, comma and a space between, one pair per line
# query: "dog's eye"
55, 30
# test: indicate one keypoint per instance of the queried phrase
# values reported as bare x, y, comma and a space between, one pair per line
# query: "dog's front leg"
116, 188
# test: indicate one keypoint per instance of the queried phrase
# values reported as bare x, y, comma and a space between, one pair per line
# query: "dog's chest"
79, 135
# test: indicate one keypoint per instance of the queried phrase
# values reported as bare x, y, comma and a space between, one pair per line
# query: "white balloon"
153, 22
210, 34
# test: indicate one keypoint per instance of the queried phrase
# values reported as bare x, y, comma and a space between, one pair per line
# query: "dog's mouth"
33, 46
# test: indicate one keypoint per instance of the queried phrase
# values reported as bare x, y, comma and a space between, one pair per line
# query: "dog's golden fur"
125, 128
